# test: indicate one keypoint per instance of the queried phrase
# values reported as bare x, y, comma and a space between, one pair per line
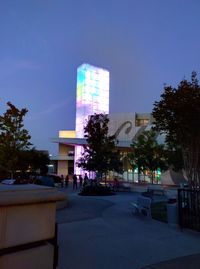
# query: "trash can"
172, 212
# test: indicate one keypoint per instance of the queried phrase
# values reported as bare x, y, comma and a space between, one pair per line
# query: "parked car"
45, 181
57, 179
8, 181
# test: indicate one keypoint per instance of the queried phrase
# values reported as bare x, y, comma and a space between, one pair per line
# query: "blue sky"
143, 44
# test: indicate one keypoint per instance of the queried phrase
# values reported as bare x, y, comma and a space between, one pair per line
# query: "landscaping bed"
97, 190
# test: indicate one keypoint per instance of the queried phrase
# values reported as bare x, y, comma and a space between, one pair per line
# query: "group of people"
82, 181
64, 181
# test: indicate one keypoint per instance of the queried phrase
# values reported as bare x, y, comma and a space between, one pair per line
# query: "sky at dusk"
143, 44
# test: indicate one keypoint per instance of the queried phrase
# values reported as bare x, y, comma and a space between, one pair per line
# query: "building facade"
124, 126
92, 96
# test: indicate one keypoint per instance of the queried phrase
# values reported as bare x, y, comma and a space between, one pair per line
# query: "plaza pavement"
101, 233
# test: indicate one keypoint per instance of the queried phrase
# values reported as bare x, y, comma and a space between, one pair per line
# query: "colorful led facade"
92, 94
92, 97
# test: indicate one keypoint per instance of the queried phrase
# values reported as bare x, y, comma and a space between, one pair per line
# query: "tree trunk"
152, 176
191, 158
138, 177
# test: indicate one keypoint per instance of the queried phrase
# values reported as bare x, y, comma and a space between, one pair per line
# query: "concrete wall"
34, 258
37, 222
173, 178
27, 215
64, 149
62, 168
123, 124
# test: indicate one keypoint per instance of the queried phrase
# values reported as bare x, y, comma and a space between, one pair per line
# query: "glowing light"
67, 134
92, 94
92, 97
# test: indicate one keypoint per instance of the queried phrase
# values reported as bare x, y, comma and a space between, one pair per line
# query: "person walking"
85, 181
62, 181
75, 182
80, 181
66, 181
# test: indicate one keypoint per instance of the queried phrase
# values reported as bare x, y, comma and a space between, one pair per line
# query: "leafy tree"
13, 138
174, 156
33, 161
38, 161
177, 115
100, 154
147, 154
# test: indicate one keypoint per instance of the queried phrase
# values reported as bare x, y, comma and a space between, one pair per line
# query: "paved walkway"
191, 261
101, 233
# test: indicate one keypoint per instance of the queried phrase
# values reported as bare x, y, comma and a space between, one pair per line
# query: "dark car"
45, 181
57, 179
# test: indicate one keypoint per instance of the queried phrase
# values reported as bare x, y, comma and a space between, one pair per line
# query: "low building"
125, 126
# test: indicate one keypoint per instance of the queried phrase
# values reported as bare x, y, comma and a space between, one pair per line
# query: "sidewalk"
101, 233
191, 261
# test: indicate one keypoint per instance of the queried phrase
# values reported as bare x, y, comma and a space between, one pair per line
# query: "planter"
27, 225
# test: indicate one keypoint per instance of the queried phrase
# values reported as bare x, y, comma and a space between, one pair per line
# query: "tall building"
92, 96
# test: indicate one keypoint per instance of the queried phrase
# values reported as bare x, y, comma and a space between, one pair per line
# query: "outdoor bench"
156, 189
121, 186
143, 206
125, 187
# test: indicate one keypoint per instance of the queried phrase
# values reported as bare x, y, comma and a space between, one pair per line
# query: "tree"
14, 138
177, 115
100, 154
174, 156
147, 154
39, 160
33, 161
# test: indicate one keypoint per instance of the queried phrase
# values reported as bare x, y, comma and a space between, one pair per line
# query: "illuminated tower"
92, 97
